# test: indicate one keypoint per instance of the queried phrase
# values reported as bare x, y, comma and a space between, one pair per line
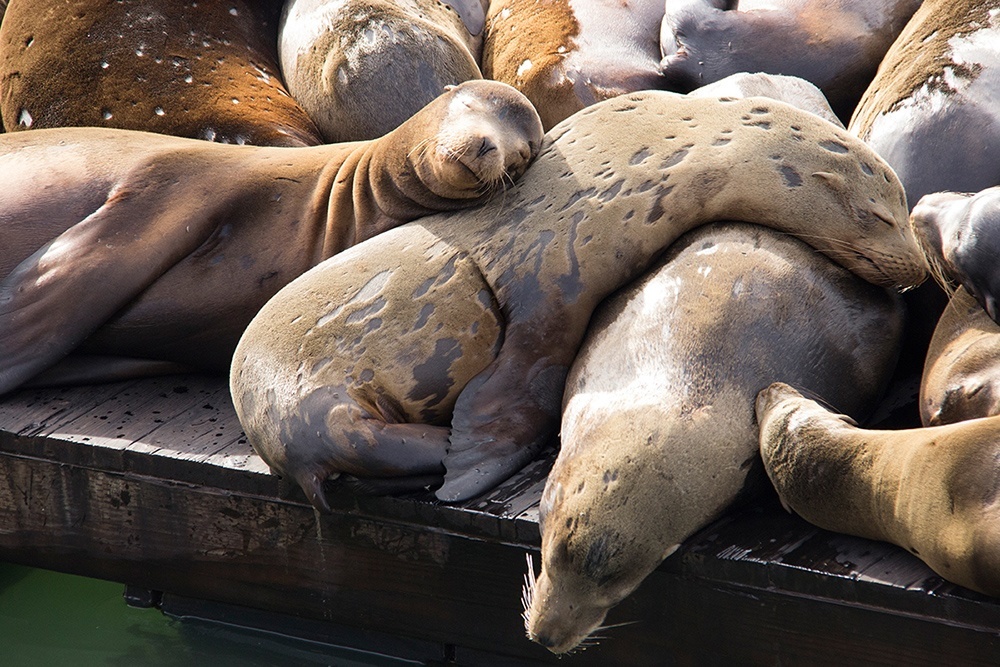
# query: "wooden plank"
30, 411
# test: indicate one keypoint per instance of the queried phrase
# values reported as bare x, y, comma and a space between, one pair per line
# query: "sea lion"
960, 235
565, 55
206, 70
360, 68
961, 378
932, 491
658, 432
836, 45
142, 245
352, 364
789, 89
931, 111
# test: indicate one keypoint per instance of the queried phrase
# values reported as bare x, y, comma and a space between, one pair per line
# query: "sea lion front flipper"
502, 418
68, 288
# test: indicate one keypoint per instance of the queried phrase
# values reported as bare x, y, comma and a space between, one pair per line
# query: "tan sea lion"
658, 432
142, 245
360, 68
836, 44
353, 363
565, 55
207, 70
961, 378
933, 491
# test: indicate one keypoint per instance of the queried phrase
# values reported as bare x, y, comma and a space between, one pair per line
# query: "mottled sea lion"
961, 378
658, 432
206, 70
362, 67
143, 245
361, 373
565, 55
836, 44
933, 491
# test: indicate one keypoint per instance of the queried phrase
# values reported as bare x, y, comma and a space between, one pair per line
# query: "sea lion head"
483, 137
957, 232
599, 540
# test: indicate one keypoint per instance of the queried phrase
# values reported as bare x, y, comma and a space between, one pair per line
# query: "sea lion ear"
450, 87
834, 180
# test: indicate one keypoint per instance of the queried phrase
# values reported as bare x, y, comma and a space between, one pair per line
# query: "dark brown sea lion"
961, 237
207, 70
960, 233
932, 110
565, 55
835, 44
362, 360
961, 377
933, 491
658, 432
142, 245
362, 67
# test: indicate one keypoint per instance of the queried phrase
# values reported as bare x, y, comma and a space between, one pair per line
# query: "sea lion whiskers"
845, 250
528, 592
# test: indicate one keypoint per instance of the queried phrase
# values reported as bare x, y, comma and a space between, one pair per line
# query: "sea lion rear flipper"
502, 419
67, 289
406, 456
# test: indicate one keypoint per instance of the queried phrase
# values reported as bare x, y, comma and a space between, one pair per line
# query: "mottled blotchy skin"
612, 187
206, 70
658, 432
961, 377
836, 44
565, 55
933, 111
933, 491
361, 68
142, 245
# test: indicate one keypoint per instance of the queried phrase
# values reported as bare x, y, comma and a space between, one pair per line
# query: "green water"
50, 619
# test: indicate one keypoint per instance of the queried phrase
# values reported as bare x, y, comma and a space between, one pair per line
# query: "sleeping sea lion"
362, 67
143, 245
931, 112
206, 70
658, 433
961, 378
364, 361
836, 45
565, 55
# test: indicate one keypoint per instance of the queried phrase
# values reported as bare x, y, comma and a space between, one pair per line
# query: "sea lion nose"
486, 146
544, 640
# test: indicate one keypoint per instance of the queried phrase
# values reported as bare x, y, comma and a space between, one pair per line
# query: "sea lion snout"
488, 134
956, 234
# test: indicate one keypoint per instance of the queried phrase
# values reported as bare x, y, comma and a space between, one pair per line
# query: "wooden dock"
151, 483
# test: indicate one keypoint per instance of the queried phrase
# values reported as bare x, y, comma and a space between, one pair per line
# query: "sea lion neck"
369, 192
